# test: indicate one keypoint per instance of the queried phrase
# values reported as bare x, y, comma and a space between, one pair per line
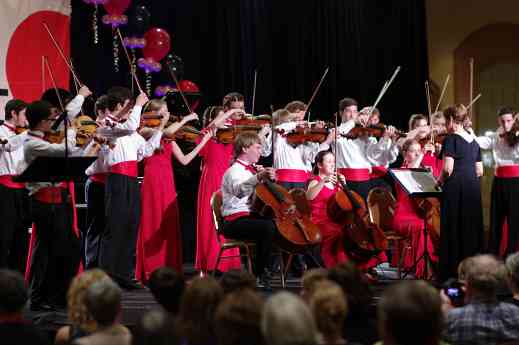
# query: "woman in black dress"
461, 212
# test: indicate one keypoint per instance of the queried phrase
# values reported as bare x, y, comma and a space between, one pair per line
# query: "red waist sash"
507, 171
292, 175
50, 195
235, 216
377, 172
128, 168
99, 177
357, 175
7, 180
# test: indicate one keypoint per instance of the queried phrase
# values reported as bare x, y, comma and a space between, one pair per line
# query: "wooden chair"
381, 206
228, 243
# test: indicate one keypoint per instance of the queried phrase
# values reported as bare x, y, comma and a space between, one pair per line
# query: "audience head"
155, 328
329, 307
77, 310
197, 308
410, 313
238, 319
39, 115
167, 287
247, 146
287, 320
463, 267
13, 294
15, 112
234, 280
354, 285
512, 268
483, 277
103, 301
311, 279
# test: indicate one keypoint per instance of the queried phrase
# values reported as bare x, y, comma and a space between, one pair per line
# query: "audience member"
235, 279
82, 323
512, 269
197, 308
360, 325
410, 313
238, 318
103, 301
310, 279
155, 328
287, 320
329, 307
14, 329
167, 287
483, 320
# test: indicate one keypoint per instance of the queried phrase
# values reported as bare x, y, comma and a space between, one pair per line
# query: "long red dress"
407, 222
432, 160
159, 242
216, 159
332, 246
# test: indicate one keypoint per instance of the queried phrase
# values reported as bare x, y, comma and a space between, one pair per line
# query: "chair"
381, 206
227, 243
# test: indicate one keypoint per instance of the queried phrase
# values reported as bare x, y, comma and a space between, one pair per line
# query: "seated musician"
320, 189
421, 131
407, 218
238, 186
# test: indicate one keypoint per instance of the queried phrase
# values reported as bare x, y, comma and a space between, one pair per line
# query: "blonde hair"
210, 113
244, 140
155, 105
414, 119
281, 116
77, 310
295, 106
311, 279
329, 307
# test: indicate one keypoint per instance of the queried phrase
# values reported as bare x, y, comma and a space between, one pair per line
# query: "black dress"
461, 211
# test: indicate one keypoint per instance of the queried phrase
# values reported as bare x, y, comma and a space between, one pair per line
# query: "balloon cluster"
156, 48
115, 10
138, 24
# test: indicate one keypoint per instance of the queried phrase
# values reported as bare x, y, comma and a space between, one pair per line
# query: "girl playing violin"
407, 220
420, 131
159, 242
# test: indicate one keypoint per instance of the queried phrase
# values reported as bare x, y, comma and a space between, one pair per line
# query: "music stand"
418, 183
52, 169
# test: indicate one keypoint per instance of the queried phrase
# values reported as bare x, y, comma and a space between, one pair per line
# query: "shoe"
42, 307
263, 282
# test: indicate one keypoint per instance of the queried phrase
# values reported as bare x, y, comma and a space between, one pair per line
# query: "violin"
309, 133
151, 119
438, 139
186, 133
376, 131
86, 128
295, 229
362, 238
20, 129
228, 134
54, 137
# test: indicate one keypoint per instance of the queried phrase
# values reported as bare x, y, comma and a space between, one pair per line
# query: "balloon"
115, 9
187, 86
157, 44
175, 64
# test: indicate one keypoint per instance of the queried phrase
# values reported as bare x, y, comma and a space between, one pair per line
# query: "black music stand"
418, 183
55, 169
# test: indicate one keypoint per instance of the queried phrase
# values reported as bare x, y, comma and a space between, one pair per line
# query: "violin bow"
132, 69
428, 95
317, 88
443, 93
60, 51
46, 61
175, 79
254, 91
386, 86
471, 90
469, 106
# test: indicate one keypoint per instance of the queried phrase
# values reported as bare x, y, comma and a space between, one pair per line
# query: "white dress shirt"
133, 147
351, 153
383, 153
115, 129
238, 185
11, 153
503, 153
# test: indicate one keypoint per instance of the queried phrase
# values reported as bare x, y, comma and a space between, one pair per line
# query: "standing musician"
13, 209
55, 255
57, 97
122, 200
238, 186
352, 154
505, 187
407, 219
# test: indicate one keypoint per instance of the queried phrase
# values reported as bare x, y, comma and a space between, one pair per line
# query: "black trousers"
119, 237
14, 235
255, 228
95, 197
55, 256
505, 198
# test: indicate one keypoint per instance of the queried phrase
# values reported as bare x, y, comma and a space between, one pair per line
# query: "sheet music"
416, 181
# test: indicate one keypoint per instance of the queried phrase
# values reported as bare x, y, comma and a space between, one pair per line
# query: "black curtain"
290, 43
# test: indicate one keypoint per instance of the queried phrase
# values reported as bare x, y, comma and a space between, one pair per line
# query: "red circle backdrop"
27, 45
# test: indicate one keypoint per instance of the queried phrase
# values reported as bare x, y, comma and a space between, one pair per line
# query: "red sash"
99, 177
357, 175
377, 172
7, 180
507, 171
128, 168
235, 216
292, 175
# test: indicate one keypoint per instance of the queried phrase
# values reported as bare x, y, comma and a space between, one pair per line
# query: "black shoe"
263, 282
42, 307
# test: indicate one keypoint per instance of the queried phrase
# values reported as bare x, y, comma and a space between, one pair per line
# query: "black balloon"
175, 64
138, 21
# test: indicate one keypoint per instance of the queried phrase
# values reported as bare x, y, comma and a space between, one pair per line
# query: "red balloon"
117, 7
157, 44
188, 86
